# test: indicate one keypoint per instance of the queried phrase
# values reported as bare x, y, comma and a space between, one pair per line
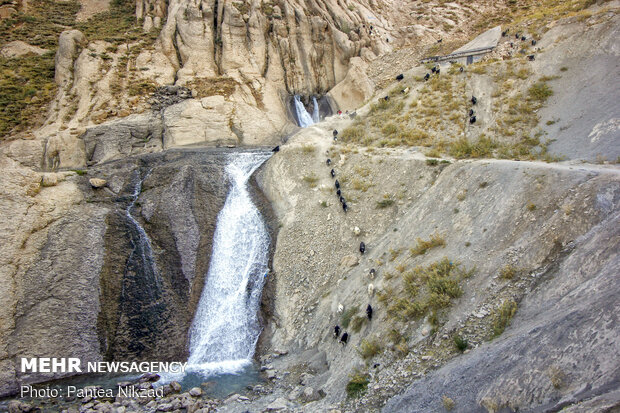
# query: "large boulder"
132, 135
205, 121
18, 48
355, 89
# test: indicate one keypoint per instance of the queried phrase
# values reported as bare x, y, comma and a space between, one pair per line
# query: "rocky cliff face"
241, 61
79, 279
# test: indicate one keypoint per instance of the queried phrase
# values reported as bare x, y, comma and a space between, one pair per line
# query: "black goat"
369, 312
362, 247
472, 119
336, 331
276, 149
474, 100
400, 77
332, 173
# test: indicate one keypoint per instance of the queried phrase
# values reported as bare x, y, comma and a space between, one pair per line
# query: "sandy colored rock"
97, 182
69, 45
354, 89
17, 48
49, 179
349, 261
199, 122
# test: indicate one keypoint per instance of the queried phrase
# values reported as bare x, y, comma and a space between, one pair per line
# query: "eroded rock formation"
245, 58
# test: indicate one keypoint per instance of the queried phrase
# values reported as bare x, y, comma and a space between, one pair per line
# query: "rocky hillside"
500, 259
242, 62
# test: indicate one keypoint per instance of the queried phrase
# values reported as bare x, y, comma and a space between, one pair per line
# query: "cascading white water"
225, 329
315, 110
303, 116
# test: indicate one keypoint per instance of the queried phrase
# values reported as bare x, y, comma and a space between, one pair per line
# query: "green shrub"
311, 180
346, 317
358, 384
426, 288
508, 272
423, 246
357, 322
540, 92
369, 348
308, 149
448, 403
385, 202
502, 317
460, 343
482, 147
26, 87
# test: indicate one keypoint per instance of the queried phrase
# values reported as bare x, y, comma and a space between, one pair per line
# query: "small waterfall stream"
225, 329
303, 117
315, 110
141, 242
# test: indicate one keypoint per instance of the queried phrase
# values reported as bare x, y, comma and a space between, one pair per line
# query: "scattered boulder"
310, 395
49, 179
349, 261
278, 404
176, 386
304, 379
97, 182
18, 48
16, 406
232, 398
169, 95
195, 392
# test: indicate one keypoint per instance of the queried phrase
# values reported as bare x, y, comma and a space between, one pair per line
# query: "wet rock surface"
101, 288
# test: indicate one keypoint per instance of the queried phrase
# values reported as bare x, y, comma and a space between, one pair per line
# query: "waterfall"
303, 116
315, 110
225, 329
139, 239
